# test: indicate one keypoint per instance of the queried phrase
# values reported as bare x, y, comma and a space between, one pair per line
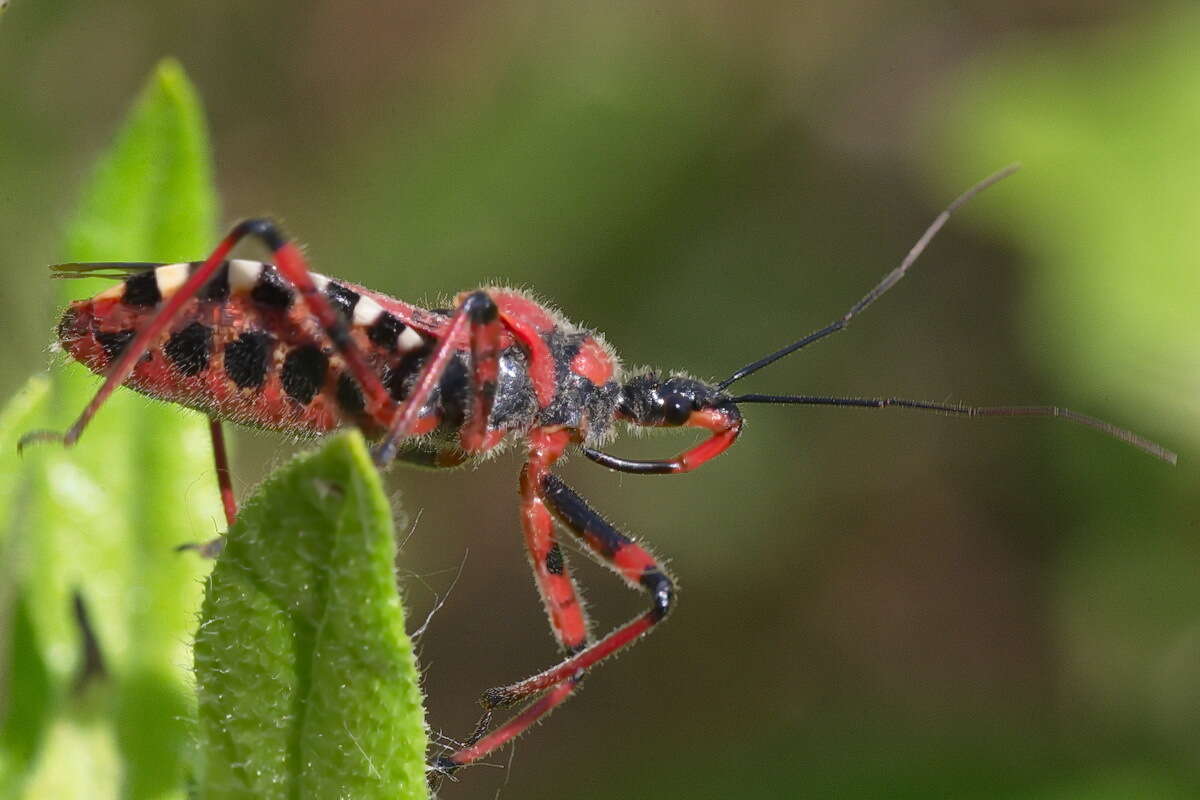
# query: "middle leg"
559, 597
616, 550
555, 584
625, 557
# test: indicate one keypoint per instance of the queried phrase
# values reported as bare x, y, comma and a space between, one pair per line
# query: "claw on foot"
210, 549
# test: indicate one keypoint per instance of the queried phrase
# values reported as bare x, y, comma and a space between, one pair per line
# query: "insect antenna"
1121, 434
889, 280
116, 270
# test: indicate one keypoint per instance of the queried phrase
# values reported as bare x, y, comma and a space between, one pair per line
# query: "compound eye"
677, 408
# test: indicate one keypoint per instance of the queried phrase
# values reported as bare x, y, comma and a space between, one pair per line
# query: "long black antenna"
889, 280
1121, 434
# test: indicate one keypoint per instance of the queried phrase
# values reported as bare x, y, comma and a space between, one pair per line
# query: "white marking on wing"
366, 311
170, 277
409, 340
243, 275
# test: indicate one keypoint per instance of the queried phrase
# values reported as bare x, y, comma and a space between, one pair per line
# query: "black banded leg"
621, 554
556, 684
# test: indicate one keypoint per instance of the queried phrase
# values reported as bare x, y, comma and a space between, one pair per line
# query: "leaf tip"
169, 72
170, 80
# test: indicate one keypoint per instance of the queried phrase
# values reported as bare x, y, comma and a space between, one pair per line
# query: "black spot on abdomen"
386, 331
141, 289
342, 299
246, 359
188, 348
271, 291
304, 372
349, 396
115, 343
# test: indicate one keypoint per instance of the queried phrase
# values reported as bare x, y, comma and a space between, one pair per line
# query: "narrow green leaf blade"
307, 681
103, 518
24, 713
152, 196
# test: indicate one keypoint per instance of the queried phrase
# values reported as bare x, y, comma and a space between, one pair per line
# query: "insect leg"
224, 477
213, 547
293, 268
486, 328
555, 584
628, 559
725, 431
556, 587
476, 312
509, 730
617, 551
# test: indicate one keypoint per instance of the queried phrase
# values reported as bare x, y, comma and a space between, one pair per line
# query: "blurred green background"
872, 604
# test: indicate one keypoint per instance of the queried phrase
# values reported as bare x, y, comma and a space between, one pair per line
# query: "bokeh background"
873, 604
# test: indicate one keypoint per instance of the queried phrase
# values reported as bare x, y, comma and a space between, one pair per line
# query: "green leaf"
23, 709
1106, 208
1106, 122
307, 682
103, 518
152, 195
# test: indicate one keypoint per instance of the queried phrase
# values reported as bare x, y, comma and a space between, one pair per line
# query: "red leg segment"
213, 547
486, 328
554, 582
509, 731
627, 558
624, 556
477, 311
224, 477
725, 424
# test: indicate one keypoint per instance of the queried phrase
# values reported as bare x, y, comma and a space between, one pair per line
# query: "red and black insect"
277, 346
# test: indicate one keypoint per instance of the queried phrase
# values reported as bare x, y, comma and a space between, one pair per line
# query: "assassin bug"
281, 347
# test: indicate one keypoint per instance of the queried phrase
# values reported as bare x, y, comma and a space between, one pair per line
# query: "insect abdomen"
245, 349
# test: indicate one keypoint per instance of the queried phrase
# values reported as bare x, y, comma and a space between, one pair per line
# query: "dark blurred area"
872, 604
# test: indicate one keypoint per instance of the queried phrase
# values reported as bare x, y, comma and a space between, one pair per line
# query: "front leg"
614, 549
